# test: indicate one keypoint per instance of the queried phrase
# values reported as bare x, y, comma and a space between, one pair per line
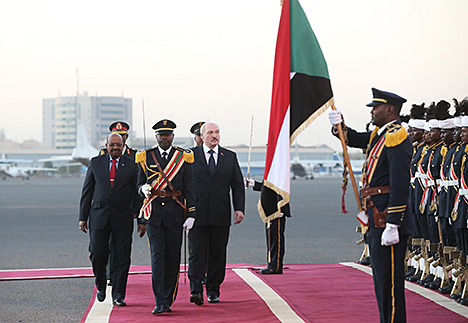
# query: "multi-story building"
61, 115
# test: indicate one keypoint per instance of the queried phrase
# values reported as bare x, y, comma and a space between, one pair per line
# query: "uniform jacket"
100, 203
165, 211
212, 192
392, 169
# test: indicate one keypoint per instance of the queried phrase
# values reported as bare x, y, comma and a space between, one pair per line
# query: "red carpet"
316, 293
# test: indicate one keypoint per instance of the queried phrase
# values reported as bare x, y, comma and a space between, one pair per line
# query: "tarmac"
39, 229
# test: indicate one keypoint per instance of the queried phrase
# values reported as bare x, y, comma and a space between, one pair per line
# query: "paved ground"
39, 229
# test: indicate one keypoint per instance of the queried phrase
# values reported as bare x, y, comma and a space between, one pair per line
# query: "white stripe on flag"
280, 168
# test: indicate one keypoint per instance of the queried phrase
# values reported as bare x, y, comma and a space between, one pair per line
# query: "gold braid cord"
344, 185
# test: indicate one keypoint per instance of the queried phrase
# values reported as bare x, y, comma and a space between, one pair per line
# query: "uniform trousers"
388, 269
99, 255
165, 244
275, 242
215, 238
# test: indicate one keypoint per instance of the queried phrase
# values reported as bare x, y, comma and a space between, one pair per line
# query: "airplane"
82, 153
305, 168
21, 171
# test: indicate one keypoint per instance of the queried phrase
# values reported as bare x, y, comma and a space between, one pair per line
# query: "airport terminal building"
61, 115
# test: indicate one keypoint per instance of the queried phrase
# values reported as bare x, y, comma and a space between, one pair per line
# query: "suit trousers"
165, 244
99, 255
388, 270
215, 239
275, 244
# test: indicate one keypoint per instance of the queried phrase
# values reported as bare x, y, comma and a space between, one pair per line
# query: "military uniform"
447, 194
386, 178
172, 200
275, 239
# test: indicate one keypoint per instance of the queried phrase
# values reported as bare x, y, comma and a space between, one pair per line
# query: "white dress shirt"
206, 150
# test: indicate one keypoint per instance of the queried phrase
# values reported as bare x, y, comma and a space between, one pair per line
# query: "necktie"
211, 162
112, 171
164, 155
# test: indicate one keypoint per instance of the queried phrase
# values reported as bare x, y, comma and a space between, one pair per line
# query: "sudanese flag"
301, 92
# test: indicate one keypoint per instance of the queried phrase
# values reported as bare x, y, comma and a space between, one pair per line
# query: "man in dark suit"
122, 128
216, 173
166, 180
109, 201
386, 178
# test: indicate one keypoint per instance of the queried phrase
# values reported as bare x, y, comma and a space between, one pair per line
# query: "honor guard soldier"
416, 132
386, 177
122, 129
165, 179
274, 235
460, 215
195, 130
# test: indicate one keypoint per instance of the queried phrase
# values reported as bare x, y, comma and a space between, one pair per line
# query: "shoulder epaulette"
140, 157
443, 151
102, 151
396, 134
188, 154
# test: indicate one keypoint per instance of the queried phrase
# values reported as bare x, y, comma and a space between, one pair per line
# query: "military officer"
165, 179
122, 129
386, 178
195, 130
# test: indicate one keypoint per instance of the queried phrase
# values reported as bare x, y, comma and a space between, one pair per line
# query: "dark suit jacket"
100, 203
212, 192
165, 211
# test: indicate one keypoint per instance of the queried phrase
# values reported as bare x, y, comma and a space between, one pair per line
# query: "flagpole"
347, 161
250, 151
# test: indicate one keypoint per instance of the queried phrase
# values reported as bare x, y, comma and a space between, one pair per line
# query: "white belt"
438, 181
412, 180
420, 175
463, 191
448, 183
430, 182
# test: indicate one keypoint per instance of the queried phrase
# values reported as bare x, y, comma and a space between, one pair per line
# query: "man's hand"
335, 117
83, 225
249, 182
188, 224
146, 190
238, 217
142, 229
390, 235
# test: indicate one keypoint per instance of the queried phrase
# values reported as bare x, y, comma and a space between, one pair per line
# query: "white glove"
390, 235
335, 117
188, 224
146, 189
249, 182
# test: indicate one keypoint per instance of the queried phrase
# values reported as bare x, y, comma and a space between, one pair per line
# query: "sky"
213, 60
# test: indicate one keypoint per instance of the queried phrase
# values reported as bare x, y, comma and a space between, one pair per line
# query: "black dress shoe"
197, 298
446, 290
414, 278
269, 271
101, 295
160, 309
410, 272
428, 279
213, 299
365, 261
463, 301
434, 285
119, 302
